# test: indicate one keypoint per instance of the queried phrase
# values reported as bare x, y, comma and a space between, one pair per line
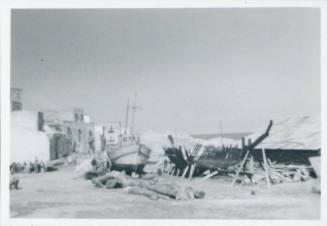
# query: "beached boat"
131, 158
206, 157
124, 149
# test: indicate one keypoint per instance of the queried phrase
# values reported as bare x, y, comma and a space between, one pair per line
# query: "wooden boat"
131, 158
124, 149
208, 159
217, 158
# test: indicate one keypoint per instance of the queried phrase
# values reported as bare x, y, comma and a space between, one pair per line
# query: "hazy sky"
189, 68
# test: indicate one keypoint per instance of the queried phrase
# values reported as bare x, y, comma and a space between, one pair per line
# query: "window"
79, 135
16, 106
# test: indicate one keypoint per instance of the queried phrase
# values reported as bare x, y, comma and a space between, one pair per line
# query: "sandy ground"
62, 194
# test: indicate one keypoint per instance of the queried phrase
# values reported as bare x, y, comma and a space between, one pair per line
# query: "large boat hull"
130, 158
210, 159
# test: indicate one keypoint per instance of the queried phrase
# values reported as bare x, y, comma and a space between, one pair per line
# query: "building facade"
16, 103
28, 141
72, 132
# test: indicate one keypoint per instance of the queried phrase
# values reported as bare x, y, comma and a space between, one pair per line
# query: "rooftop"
291, 133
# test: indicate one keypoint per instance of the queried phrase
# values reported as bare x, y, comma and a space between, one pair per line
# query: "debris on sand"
148, 186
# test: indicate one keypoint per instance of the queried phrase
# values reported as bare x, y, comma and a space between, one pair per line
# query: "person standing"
91, 143
36, 165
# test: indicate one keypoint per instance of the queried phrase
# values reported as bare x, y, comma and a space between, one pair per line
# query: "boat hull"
210, 159
130, 158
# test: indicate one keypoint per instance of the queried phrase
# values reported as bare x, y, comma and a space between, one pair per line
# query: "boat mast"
126, 119
134, 108
221, 133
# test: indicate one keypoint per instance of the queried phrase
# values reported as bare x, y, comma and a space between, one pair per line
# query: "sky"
189, 69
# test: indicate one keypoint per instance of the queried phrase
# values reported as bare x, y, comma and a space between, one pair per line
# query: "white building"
27, 140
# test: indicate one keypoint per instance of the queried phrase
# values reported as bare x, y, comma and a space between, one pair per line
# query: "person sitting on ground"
24, 167
18, 167
31, 168
14, 181
11, 167
38, 166
42, 165
93, 172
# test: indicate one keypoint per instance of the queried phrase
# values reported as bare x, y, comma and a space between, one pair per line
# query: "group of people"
31, 167
100, 163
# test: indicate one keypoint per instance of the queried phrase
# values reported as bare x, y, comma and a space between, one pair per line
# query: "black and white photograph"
165, 113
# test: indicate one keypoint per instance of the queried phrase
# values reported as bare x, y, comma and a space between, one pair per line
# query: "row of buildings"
52, 134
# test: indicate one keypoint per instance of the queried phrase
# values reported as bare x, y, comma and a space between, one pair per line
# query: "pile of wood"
257, 173
148, 186
279, 173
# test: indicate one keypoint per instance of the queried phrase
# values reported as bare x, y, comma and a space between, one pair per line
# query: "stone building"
73, 132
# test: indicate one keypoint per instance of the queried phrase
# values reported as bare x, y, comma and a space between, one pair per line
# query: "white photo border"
5, 42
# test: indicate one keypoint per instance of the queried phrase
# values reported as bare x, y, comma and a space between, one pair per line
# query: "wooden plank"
185, 171
241, 167
266, 167
177, 173
171, 171
243, 143
192, 171
251, 164
210, 175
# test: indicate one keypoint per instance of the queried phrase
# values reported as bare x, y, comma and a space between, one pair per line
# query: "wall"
82, 141
70, 122
26, 119
26, 141
26, 144
64, 115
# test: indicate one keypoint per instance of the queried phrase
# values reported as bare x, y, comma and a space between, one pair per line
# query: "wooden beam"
241, 167
251, 164
266, 167
177, 173
192, 170
210, 175
172, 171
243, 143
185, 171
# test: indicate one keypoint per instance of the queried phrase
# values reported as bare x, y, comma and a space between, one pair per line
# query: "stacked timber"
279, 173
